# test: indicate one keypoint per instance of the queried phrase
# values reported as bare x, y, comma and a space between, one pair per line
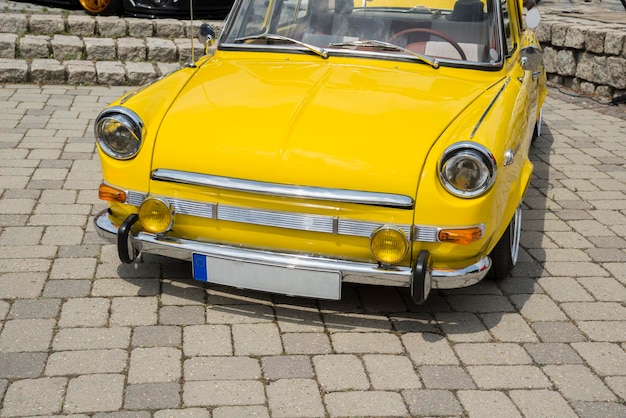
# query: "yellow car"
379, 142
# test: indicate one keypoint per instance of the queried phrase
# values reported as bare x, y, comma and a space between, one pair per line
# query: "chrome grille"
287, 220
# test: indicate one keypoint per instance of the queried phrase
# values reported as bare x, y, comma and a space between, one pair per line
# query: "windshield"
456, 32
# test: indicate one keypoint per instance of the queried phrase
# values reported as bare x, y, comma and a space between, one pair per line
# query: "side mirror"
206, 35
531, 58
533, 18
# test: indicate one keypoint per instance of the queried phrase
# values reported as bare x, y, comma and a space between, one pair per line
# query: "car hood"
310, 123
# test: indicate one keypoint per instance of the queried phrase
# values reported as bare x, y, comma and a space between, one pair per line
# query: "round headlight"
467, 169
389, 245
119, 132
156, 215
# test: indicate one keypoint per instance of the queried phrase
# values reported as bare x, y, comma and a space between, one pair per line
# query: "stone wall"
586, 56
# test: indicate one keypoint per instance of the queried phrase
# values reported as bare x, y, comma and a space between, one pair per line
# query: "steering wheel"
433, 32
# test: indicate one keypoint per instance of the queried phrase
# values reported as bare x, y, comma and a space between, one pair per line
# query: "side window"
292, 11
507, 27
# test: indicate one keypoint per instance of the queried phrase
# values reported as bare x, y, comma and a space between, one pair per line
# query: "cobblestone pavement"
83, 335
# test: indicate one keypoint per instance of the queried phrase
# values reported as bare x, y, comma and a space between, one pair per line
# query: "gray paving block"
256, 339
306, 343
287, 367
391, 372
22, 365
85, 312
157, 336
35, 308
223, 392
425, 402
553, 353
239, 411
153, 396
91, 338
13, 70
445, 377
480, 403
364, 342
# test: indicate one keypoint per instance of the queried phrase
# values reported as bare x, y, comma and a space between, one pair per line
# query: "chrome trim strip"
482, 117
285, 190
350, 271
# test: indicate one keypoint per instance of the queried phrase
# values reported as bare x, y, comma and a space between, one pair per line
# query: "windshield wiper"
274, 37
386, 45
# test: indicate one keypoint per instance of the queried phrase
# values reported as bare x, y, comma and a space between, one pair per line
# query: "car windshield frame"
465, 33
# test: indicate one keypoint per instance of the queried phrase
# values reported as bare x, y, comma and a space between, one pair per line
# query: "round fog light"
156, 215
389, 245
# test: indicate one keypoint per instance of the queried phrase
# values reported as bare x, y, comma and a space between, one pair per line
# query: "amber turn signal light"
111, 194
460, 236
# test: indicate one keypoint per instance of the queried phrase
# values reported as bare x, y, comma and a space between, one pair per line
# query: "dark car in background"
211, 9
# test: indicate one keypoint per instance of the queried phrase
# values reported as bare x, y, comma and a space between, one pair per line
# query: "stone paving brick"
26, 335
94, 393
445, 377
178, 292
358, 342
91, 338
155, 365
181, 315
193, 413
558, 332
73, 268
306, 343
553, 353
508, 377
605, 359
538, 308
221, 368
610, 331
379, 404
578, 383
92, 312
299, 320
240, 411
22, 365
34, 397
509, 327
485, 403
430, 349
564, 289
34, 308
424, 402
598, 311
23, 284
605, 289
287, 367
158, 335
462, 327
207, 340
125, 287
223, 392
618, 385
491, 353
242, 314
67, 288
391, 372
256, 339
541, 403
340, 372
134, 311
295, 397
480, 303
152, 396
355, 322
599, 409
62, 363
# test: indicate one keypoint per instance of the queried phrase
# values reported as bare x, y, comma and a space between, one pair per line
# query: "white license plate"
268, 278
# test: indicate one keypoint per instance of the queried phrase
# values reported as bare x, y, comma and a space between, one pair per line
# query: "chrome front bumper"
349, 271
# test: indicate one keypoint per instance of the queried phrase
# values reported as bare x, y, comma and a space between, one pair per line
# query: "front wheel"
505, 253
102, 7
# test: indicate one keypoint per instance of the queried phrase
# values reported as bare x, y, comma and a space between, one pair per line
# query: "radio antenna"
192, 64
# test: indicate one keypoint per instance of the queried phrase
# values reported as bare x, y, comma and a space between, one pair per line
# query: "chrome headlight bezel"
474, 154
126, 119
